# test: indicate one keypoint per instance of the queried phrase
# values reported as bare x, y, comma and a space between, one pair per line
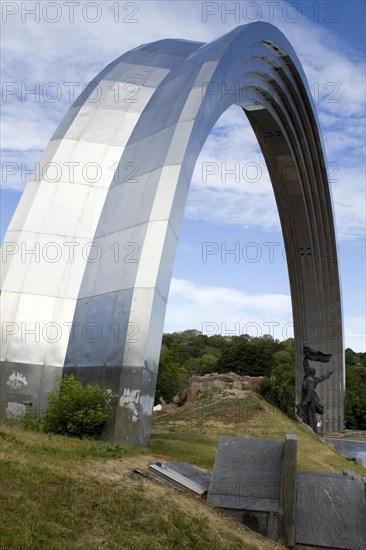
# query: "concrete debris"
181, 475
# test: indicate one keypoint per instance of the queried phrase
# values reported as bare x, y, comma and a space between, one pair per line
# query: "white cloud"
231, 184
355, 333
349, 203
226, 311
220, 309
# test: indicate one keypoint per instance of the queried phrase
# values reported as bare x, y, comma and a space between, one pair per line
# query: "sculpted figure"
310, 402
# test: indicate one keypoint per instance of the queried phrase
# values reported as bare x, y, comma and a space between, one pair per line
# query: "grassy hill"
59, 492
191, 432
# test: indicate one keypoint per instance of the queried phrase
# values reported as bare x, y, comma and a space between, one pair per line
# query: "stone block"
331, 511
247, 474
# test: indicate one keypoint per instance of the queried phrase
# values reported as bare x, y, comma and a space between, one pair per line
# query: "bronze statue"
310, 402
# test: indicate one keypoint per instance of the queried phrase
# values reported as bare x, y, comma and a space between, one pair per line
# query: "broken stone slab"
182, 475
254, 480
247, 474
331, 511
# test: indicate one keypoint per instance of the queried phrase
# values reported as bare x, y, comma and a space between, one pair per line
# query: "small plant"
109, 450
74, 410
32, 423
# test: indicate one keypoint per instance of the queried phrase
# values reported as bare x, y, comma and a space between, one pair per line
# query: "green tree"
201, 365
219, 342
355, 398
172, 378
351, 357
234, 355
288, 345
282, 356
247, 357
186, 344
279, 389
74, 410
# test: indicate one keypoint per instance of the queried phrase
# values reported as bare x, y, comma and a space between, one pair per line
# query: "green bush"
32, 423
74, 410
279, 389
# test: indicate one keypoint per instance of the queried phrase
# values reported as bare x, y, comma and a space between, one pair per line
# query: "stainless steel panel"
147, 319
55, 221
83, 158
58, 332
116, 266
162, 115
76, 250
48, 266
28, 344
175, 84
179, 142
40, 205
124, 129
80, 123
49, 377
192, 104
10, 255
170, 198
91, 211
22, 210
205, 74
100, 329
124, 332
157, 145
102, 125
26, 250
138, 192
157, 255
8, 307
128, 95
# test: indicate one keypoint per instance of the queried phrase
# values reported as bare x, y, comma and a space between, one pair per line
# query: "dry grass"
56, 494
194, 430
63, 493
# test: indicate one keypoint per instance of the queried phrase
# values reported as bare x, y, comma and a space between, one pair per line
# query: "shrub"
32, 423
279, 389
74, 410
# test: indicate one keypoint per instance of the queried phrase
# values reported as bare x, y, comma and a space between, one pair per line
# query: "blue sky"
212, 290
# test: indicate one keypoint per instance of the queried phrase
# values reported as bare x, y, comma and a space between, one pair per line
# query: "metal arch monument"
102, 217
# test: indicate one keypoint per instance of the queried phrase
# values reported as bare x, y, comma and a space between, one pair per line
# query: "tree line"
188, 353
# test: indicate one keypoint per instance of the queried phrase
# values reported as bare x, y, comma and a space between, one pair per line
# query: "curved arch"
146, 143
